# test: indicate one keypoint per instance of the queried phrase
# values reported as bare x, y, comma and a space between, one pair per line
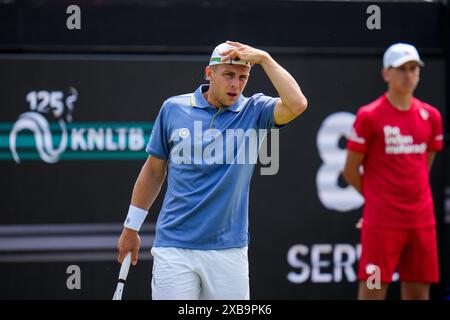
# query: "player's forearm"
288, 89
147, 187
353, 177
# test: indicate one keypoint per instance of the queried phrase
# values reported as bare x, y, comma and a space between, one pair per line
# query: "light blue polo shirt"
207, 198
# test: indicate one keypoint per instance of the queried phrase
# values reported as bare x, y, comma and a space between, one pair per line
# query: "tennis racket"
122, 276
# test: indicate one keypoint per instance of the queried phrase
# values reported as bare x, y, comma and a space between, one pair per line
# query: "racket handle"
118, 293
125, 267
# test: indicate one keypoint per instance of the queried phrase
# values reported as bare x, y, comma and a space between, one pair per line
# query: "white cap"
216, 57
400, 53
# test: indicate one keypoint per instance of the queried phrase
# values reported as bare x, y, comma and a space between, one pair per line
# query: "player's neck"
213, 103
400, 101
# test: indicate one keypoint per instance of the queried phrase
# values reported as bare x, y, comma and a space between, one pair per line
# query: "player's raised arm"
292, 102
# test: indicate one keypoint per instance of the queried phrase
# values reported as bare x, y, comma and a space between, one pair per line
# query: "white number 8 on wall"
333, 196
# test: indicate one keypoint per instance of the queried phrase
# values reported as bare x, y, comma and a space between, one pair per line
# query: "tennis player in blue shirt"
200, 248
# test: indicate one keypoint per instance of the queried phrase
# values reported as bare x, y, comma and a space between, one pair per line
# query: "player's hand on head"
243, 52
129, 241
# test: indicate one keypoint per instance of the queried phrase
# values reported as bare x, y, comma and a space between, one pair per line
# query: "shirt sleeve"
266, 106
158, 144
361, 133
436, 141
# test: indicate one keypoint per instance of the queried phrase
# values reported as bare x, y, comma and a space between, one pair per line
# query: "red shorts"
411, 252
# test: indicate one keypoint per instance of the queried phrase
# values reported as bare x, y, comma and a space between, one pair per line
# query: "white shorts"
186, 274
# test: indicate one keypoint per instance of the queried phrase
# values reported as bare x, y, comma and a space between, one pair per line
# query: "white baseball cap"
216, 58
400, 53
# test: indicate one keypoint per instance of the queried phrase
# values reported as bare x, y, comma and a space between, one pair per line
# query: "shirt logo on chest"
184, 133
424, 114
397, 143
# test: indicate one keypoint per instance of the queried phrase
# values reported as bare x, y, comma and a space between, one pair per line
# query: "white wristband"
135, 218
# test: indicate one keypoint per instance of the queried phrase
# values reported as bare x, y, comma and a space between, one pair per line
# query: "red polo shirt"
395, 181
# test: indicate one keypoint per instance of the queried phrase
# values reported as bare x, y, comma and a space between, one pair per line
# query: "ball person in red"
394, 139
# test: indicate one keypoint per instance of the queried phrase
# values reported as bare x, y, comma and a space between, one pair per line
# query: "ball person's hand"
359, 223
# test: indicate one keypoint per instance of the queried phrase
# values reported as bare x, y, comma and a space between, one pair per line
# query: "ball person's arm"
145, 191
352, 174
430, 158
351, 171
